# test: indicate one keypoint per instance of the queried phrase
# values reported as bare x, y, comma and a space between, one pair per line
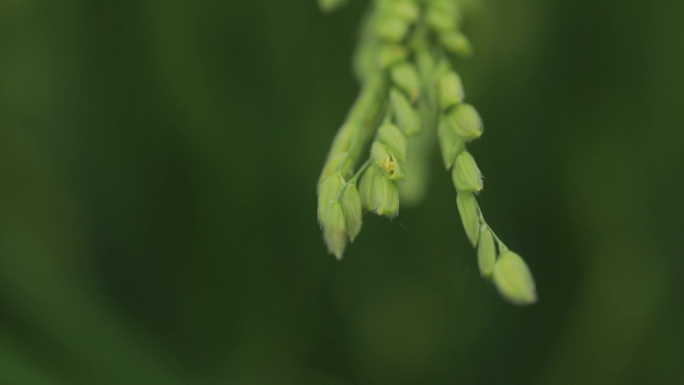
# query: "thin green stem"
502, 246
365, 114
354, 178
360, 171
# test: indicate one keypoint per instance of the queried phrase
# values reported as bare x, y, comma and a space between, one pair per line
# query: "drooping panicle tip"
514, 280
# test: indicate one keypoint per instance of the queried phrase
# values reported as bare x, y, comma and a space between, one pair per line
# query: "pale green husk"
513, 279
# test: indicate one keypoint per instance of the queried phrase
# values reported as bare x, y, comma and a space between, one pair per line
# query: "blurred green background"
158, 163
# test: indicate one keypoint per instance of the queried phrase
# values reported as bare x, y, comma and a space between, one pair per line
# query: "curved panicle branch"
411, 94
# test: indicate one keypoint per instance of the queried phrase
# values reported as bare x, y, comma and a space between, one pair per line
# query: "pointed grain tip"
514, 280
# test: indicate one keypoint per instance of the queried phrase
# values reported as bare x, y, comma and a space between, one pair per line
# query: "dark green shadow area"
158, 164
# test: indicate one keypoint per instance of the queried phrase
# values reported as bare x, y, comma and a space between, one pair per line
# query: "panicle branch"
410, 90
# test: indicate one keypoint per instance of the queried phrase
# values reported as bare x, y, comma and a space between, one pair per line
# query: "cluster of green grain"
403, 62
